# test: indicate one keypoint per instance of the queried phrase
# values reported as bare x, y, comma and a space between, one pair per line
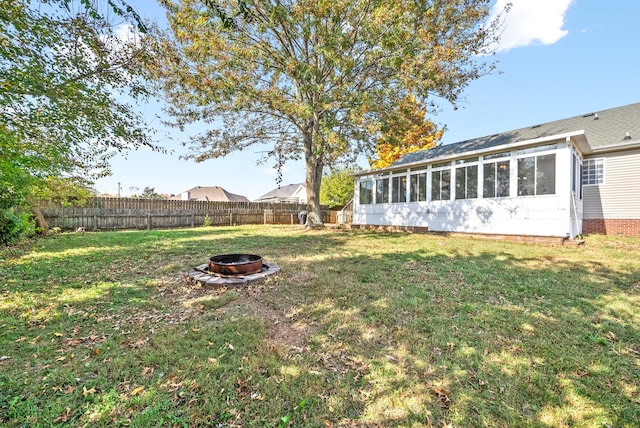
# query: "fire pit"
235, 264
232, 269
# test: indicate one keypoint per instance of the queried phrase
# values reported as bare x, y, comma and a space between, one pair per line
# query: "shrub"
14, 226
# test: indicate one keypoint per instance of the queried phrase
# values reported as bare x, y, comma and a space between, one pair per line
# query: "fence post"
148, 221
193, 220
230, 219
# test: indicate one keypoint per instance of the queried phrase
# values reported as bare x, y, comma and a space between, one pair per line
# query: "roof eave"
624, 145
575, 135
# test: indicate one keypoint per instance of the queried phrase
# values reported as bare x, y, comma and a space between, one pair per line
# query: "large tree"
67, 78
313, 78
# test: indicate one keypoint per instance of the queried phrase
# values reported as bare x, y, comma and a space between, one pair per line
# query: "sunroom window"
496, 179
382, 190
467, 178
441, 183
537, 175
418, 186
399, 188
366, 192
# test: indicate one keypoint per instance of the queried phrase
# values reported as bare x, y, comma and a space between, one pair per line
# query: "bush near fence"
125, 213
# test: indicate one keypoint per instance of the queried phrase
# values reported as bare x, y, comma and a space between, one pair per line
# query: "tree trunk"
41, 222
314, 178
314, 166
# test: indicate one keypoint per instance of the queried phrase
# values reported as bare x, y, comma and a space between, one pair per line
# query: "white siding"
546, 215
619, 196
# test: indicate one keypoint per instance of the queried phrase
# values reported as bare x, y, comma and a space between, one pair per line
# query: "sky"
556, 59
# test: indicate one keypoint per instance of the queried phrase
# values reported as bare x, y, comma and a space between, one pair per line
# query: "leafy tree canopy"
337, 187
406, 130
69, 71
150, 193
316, 79
64, 74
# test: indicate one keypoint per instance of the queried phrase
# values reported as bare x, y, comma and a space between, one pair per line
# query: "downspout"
575, 212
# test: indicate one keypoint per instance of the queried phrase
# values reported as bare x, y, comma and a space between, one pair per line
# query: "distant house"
292, 193
209, 193
558, 179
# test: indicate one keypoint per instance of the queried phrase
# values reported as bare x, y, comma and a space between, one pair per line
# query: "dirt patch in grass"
187, 299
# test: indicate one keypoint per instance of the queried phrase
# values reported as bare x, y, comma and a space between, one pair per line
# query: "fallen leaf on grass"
64, 417
137, 390
73, 342
86, 392
442, 395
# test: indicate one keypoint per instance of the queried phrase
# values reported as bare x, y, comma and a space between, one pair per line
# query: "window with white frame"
467, 178
399, 187
382, 190
441, 182
593, 172
496, 173
418, 186
537, 174
366, 192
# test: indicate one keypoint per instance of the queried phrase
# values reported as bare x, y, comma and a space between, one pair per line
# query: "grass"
358, 329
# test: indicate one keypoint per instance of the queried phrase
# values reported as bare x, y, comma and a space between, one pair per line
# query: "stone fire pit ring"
232, 269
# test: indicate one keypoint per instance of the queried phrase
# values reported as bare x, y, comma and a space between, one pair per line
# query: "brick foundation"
620, 227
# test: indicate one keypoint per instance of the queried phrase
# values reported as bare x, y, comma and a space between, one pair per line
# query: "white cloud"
531, 22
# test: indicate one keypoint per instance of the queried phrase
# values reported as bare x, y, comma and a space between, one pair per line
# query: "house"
211, 193
559, 179
293, 193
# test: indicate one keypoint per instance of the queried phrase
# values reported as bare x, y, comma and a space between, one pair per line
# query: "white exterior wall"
545, 215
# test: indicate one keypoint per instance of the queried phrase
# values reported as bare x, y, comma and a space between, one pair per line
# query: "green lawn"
358, 329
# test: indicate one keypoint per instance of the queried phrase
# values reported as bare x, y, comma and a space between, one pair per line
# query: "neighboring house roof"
289, 192
607, 130
212, 193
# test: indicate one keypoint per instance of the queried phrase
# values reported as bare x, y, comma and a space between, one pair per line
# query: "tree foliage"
337, 187
67, 78
150, 193
406, 130
316, 79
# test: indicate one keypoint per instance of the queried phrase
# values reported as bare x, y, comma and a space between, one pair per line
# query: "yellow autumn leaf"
137, 390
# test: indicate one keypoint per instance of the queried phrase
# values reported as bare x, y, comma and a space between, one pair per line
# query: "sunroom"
500, 184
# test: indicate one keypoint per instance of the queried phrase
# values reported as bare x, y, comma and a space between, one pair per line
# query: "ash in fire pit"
232, 269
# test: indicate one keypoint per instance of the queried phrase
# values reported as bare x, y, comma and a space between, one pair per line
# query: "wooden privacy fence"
122, 213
